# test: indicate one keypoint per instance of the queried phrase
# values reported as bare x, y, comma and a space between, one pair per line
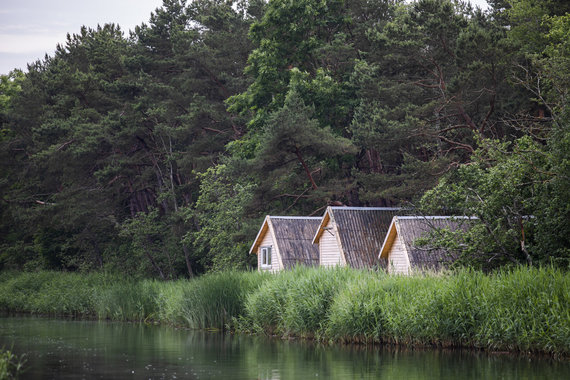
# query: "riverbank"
524, 309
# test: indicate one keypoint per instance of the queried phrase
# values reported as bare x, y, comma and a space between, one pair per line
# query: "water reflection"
86, 349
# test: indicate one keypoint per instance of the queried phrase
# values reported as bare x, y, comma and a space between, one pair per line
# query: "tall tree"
520, 191
60, 141
432, 81
111, 131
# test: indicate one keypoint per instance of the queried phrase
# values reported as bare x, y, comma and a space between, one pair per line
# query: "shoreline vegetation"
10, 364
518, 310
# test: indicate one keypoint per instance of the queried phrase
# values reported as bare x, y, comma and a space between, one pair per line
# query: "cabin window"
266, 257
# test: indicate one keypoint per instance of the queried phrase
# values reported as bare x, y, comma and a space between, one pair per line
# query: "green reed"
217, 299
520, 309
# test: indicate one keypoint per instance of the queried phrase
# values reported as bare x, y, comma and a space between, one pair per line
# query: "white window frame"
265, 253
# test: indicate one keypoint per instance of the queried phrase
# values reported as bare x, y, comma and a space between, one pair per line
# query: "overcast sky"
31, 28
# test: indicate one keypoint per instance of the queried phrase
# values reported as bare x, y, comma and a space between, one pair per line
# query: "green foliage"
151, 251
294, 303
525, 313
220, 213
264, 308
158, 154
10, 86
110, 129
49, 293
519, 190
295, 154
499, 188
11, 366
434, 78
210, 301
529, 22
169, 298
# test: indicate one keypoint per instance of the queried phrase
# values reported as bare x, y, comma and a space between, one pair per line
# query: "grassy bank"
518, 310
211, 301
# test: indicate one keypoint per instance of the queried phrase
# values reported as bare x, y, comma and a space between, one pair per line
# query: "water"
64, 349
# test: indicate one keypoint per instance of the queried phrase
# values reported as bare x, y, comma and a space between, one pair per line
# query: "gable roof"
411, 228
361, 231
293, 239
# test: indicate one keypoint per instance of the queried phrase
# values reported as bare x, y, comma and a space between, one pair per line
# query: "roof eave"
389, 239
320, 229
260, 235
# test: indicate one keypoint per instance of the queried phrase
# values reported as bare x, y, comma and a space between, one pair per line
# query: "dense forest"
158, 153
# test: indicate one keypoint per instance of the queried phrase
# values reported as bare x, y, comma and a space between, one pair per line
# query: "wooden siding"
267, 241
398, 258
329, 250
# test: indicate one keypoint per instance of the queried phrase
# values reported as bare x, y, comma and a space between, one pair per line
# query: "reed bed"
216, 300
521, 309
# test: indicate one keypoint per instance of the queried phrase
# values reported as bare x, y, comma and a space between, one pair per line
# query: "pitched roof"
293, 237
411, 228
361, 231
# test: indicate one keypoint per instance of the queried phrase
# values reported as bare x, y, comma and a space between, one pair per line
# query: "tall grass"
126, 300
526, 310
215, 300
520, 309
210, 301
48, 293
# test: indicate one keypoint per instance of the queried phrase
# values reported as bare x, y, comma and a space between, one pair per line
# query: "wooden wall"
329, 251
268, 242
398, 262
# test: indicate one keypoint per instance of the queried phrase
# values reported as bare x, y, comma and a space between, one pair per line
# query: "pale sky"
31, 28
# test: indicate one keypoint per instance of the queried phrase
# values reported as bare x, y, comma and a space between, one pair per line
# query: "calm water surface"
57, 349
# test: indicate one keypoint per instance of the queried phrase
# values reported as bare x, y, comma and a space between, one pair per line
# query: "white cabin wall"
398, 258
329, 251
268, 242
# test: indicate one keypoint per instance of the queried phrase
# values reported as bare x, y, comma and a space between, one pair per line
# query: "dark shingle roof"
294, 238
411, 228
362, 231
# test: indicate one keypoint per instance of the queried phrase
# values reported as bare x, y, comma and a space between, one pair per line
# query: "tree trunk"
523, 245
187, 258
153, 263
313, 184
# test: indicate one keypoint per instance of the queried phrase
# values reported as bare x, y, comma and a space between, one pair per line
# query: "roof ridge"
365, 208
294, 217
436, 217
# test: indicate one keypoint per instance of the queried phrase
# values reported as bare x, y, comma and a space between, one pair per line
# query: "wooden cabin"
285, 241
399, 253
352, 236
